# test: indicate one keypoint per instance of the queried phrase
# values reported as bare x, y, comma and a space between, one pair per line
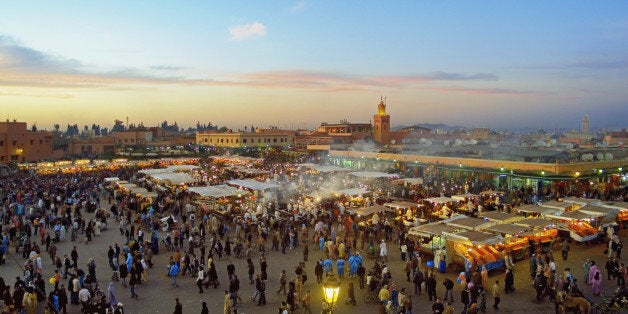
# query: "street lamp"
331, 287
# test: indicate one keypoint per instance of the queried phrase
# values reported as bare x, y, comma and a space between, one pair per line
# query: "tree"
118, 126
34, 128
57, 126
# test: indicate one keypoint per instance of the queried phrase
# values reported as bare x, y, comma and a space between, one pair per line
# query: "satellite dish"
393, 142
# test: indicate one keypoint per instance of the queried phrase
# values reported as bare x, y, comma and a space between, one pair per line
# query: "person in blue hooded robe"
129, 261
340, 264
327, 265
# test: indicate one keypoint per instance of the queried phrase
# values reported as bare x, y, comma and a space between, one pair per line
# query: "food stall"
500, 218
211, 197
580, 202
561, 206
470, 223
441, 207
430, 236
474, 248
407, 212
543, 232
578, 224
622, 214
534, 211
363, 215
515, 242
466, 202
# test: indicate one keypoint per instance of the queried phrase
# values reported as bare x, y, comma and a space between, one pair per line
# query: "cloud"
166, 68
298, 7
613, 64
247, 31
21, 66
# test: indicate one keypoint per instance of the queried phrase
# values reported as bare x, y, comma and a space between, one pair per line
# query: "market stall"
544, 232
407, 212
474, 248
622, 214
441, 207
579, 224
430, 236
515, 243
534, 211
470, 223
580, 202
561, 206
500, 218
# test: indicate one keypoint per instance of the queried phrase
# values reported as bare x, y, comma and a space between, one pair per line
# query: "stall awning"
112, 179
174, 168
617, 205
596, 210
537, 223
441, 200
352, 192
491, 192
402, 205
144, 193
217, 191
462, 197
574, 215
500, 217
373, 175
327, 169
535, 209
150, 172
253, 184
471, 223
581, 201
510, 229
432, 229
556, 205
127, 186
474, 237
174, 177
367, 211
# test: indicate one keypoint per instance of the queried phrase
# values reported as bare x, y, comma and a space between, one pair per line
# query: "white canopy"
471, 223
329, 168
143, 192
112, 179
474, 237
490, 192
253, 184
127, 186
174, 177
150, 172
441, 200
402, 205
216, 191
556, 205
181, 167
462, 197
574, 215
367, 211
581, 201
373, 175
352, 192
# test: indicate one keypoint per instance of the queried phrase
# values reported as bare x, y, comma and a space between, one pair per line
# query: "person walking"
496, 294
174, 271
200, 278
431, 287
178, 307
565, 249
282, 282
449, 289
262, 293
132, 283
227, 306
307, 299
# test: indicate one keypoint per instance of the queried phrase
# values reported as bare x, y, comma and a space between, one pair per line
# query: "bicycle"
370, 296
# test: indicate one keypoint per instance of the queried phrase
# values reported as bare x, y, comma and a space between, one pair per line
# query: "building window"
275, 140
1, 143
237, 141
2, 158
244, 140
205, 140
41, 141
32, 142
14, 157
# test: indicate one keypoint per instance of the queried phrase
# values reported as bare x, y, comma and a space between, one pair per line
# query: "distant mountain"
431, 126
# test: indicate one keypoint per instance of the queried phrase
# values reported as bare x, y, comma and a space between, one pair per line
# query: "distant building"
133, 138
381, 125
18, 144
93, 146
274, 138
585, 124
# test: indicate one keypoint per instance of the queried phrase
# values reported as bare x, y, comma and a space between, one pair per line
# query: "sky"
294, 64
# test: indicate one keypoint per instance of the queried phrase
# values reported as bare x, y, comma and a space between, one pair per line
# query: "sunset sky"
497, 64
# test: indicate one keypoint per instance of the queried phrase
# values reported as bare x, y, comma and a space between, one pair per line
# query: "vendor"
375, 219
409, 215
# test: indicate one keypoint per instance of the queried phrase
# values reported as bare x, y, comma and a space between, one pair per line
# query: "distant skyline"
294, 64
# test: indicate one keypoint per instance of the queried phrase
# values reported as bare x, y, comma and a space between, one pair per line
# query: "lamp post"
331, 287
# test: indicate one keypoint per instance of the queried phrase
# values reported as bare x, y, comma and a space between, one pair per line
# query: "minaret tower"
585, 124
381, 124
